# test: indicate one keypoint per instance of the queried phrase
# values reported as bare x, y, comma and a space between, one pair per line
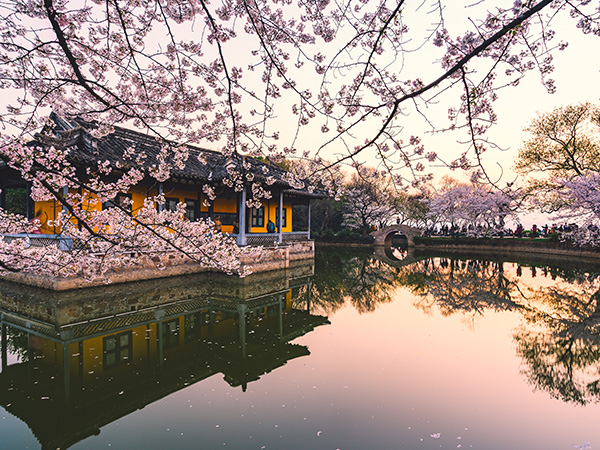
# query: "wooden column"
309, 218
241, 239
63, 208
161, 190
280, 219
28, 207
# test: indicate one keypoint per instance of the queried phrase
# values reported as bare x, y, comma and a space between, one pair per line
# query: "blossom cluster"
117, 240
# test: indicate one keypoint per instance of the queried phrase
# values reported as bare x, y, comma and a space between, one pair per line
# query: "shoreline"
269, 259
535, 246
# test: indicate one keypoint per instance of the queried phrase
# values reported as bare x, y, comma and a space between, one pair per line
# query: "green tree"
326, 215
368, 200
564, 143
411, 209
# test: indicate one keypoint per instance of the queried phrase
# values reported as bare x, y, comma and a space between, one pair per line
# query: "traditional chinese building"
288, 206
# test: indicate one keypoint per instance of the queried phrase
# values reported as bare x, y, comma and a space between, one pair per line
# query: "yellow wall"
225, 205
270, 213
179, 194
49, 210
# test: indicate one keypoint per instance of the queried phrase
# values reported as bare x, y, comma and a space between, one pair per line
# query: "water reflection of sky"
402, 364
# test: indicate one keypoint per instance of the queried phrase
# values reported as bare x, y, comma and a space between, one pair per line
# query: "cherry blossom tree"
580, 197
411, 208
476, 207
117, 240
258, 77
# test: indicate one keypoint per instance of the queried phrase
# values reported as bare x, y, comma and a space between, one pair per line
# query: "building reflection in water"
73, 362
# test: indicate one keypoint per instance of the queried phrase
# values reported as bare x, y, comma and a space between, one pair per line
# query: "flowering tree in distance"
260, 76
580, 197
475, 207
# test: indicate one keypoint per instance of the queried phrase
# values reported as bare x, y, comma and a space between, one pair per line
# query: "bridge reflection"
395, 257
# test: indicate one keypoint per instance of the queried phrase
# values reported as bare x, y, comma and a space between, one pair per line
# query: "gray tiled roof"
87, 150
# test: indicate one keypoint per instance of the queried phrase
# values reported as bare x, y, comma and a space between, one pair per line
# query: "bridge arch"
384, 236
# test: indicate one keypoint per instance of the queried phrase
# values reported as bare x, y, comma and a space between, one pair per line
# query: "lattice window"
258, 217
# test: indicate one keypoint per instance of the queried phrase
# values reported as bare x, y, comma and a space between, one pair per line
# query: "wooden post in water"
308, 296
159, 314
309, 218
280, 314
66, 371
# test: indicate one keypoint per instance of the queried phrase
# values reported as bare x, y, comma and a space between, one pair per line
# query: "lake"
362, 350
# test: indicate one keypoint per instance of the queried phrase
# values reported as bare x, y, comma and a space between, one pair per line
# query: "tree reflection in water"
558, 341
351, 276
468, 286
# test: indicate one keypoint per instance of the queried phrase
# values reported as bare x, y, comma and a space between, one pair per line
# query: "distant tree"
327, 215
564, 143
411, 209
580, 200
367, 201
471, 205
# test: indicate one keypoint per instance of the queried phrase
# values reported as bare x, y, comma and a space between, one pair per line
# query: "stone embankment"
62, 308
499, 246
170, 265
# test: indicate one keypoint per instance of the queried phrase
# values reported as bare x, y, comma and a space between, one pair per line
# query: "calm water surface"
361, 351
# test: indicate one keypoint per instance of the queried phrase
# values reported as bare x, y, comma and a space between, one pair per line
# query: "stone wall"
169, 265
62, 308
509, 246
301, 250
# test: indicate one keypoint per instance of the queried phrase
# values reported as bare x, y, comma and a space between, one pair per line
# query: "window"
258, 217
193, 325
191, 210
284, 216
171, 333
227, 218
171, 203
122, 200
117, 349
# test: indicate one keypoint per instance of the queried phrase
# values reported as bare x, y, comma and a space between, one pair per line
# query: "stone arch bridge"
384, 236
